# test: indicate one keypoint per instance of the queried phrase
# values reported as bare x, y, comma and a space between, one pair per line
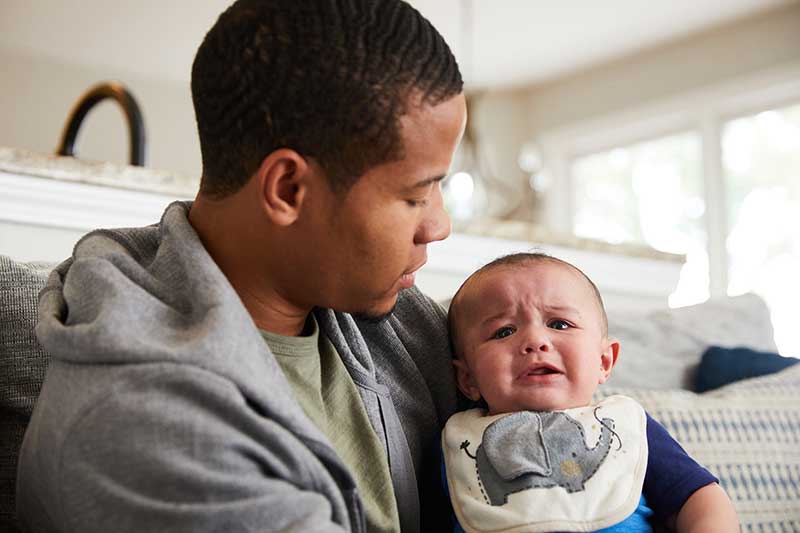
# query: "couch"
747, 432
22, 367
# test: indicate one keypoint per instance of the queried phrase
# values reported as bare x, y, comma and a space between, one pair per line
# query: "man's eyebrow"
426, 182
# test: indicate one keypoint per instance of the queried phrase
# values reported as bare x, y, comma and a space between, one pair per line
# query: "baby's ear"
466, 383
608, 358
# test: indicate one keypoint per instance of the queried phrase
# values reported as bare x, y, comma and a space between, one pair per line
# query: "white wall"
768, 42
37, 90
762, 42
37, 93
53, 50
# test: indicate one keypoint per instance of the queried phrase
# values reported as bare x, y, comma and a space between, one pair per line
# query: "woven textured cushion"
747, 434
662, 349
22, 367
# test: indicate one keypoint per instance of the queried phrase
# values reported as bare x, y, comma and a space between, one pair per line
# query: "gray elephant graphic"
530, 449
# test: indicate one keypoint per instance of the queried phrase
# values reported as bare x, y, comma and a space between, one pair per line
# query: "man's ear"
608, 358
283, 184
466, 383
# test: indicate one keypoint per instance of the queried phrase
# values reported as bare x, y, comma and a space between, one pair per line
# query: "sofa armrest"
22, 367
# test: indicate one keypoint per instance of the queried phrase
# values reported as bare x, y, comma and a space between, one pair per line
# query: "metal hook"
93, 96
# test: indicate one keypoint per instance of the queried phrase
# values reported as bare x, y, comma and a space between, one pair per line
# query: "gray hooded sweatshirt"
164, 410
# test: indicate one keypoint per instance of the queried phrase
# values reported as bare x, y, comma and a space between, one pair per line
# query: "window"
761, 169
650, 193
713, 174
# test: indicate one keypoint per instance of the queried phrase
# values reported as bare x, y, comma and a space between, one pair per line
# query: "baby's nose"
534, 345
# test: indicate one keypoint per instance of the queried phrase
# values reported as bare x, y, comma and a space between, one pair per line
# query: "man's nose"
436, 224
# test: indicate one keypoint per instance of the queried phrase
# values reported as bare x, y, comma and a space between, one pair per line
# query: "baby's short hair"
519, 259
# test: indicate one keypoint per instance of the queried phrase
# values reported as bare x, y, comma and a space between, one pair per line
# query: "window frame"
704, 111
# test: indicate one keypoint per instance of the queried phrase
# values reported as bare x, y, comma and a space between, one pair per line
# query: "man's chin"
377, 313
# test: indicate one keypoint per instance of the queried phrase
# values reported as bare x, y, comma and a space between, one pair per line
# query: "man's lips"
407, 279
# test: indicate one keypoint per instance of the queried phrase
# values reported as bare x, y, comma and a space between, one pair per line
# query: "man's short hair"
520, 259
329, 79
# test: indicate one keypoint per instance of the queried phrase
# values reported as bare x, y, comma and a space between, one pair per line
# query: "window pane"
649, 193
761, 160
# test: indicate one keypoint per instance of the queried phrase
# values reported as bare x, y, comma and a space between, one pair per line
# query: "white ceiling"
511, 43
517, 42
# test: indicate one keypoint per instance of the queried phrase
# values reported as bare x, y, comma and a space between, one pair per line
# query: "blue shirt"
671, 476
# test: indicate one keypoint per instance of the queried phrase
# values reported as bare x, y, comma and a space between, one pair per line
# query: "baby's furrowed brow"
493, 317
563, 309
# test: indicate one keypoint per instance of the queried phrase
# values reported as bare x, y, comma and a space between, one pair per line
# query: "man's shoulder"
417, 321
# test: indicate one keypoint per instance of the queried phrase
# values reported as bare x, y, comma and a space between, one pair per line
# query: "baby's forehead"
503, 284
499, 278
493, 286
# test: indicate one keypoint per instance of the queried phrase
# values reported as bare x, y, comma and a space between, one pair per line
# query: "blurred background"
673, 125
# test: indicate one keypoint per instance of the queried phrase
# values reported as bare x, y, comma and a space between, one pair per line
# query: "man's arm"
707, 510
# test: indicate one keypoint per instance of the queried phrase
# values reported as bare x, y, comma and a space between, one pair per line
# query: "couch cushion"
22, 367
747, 434
662, 349
721, 366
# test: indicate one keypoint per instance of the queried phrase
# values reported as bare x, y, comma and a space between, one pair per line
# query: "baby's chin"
536, 406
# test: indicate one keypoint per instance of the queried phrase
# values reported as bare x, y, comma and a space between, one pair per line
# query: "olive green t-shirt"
326, 392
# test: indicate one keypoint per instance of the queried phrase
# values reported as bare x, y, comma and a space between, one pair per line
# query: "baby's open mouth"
541, 371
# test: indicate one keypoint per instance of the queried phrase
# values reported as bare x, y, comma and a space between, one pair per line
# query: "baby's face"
531, 338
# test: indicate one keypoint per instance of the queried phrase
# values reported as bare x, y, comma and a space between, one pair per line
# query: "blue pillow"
720, 366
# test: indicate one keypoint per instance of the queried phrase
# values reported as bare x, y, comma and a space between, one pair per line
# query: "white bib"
579, 469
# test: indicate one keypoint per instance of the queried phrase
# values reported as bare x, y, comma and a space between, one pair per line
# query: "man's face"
531, 338
369, 242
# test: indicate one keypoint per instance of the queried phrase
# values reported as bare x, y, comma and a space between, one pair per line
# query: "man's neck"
242, 260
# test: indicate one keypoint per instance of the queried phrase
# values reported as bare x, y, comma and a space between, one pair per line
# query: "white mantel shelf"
626, 280
16, 161
66, 193
47, 202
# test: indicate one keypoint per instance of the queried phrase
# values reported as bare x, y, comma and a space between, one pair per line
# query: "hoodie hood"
154, 294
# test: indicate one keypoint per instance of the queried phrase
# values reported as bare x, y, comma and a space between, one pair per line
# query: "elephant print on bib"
529, 449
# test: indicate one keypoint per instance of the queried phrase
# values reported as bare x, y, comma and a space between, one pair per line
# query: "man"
260, 360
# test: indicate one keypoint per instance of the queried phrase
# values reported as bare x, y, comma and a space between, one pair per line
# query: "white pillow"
661, 349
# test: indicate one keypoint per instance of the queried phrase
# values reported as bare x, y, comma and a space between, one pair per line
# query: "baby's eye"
504, 332
559, 324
